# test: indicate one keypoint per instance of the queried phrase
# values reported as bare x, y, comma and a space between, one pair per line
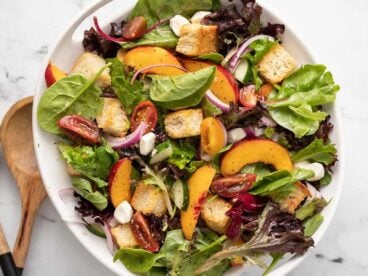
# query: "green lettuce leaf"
83, 187
194, 165
92, 162
183, 154
181, 91
316, 151
326, 180
174, 247
181, 261
279, 183
74, 94
209, 109
214, 57
257, 50
189, 265
260, 169
295, 105
160, 37
311, 208
155, 10
129, 94
312, 224
177, 255
137, 260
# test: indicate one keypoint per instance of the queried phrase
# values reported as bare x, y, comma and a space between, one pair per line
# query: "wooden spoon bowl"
17, 143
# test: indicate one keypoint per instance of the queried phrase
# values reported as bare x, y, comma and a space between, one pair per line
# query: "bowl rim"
291, 263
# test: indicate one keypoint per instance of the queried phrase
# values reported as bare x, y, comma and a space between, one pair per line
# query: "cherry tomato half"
143, 234
248, 96
233, 186
144, 112
135, 28
79, 129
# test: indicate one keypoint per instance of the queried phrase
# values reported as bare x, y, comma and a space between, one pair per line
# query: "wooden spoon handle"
30, 203
6, 260
21, 246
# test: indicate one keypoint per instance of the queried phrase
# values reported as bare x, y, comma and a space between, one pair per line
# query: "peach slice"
53, 74
119, 182
198, 185
224, 86
142, 57
253, 151
265, 90
213, 135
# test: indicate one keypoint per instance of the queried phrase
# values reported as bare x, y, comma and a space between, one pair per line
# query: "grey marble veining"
336, 33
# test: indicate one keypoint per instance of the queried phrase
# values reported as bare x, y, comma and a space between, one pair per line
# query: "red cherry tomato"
135, 28
144, 112
233, 186
143, 234
79, 129
248, 96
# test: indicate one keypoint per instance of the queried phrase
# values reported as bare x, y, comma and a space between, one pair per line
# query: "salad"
193, 141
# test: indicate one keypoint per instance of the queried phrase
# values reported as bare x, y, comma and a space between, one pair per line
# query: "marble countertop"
334, 30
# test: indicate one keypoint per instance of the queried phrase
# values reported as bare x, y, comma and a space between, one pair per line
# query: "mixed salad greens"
193, 142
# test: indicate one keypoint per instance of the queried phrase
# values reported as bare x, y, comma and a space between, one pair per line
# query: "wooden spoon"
6, 260
17, 142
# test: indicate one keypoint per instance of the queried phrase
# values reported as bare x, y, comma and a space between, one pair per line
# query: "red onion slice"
229, 56
155, 66
249, 131
112, 222
105, 35
268, 122
217, 102
234, 62
110, 242
127, 141
67, 195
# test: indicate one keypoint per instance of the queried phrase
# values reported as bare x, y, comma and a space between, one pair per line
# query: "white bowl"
53, 172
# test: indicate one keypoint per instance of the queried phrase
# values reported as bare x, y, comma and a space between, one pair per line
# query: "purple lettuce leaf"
278, 232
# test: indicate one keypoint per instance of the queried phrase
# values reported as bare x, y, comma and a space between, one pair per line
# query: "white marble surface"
334, 30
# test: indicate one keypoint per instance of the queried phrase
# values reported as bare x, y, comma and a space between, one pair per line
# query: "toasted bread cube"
213, 213
89, 64
276, 65
197, 39
148, 199
124, 236
183, 123
292, 202
113, 119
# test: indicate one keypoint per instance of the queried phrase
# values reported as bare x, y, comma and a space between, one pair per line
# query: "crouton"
89, 64
213, 213
183, 123
196, 39
276, 65
113, 119
124, 236
291, 203
149, 199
